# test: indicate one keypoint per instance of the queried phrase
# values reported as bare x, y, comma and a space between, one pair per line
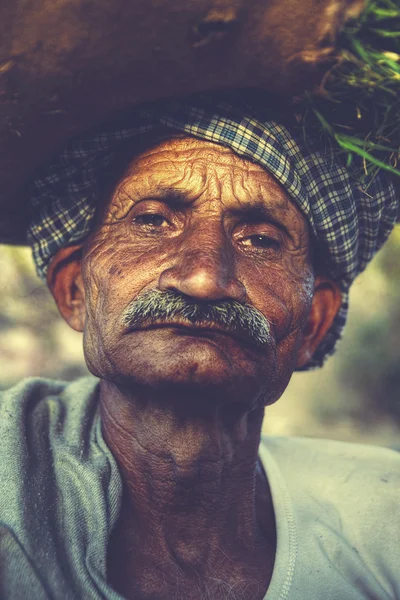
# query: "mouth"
190, 329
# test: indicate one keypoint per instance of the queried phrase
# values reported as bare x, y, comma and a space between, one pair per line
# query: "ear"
64, 279
325, 305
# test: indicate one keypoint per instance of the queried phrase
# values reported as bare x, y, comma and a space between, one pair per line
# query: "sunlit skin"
182, 408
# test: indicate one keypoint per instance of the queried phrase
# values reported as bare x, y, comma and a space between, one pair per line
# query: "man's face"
193, 218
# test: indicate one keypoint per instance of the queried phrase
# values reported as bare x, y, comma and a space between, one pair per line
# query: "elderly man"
205, 252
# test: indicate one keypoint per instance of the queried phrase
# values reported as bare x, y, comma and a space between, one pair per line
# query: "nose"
205, 272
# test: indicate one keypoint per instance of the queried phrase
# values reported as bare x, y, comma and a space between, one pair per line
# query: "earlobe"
64, 279
325, 305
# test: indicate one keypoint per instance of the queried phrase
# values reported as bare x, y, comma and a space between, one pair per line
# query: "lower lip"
195, 332
191, 331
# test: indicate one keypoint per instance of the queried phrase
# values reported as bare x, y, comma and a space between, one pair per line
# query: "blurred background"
356, 396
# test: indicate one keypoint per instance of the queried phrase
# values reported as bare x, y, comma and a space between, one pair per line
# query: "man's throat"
196, 509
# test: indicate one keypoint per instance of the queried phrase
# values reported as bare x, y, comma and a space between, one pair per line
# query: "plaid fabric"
349, 222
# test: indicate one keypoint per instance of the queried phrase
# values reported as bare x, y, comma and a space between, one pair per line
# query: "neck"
196, 503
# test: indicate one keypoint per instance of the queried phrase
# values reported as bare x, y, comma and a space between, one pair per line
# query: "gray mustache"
166, 306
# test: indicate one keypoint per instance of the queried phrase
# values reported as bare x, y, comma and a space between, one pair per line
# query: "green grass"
357, 107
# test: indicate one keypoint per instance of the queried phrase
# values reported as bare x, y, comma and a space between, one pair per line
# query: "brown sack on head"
66, 64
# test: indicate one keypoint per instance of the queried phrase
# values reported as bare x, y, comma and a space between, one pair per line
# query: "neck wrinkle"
191, 484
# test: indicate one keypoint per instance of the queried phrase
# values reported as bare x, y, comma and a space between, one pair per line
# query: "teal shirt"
336, 505
60, 492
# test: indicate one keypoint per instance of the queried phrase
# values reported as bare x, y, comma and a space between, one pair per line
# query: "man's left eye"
152, 220
261, 241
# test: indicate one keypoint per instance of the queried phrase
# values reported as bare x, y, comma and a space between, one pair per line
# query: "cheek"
286, 302
115, 272
282, 294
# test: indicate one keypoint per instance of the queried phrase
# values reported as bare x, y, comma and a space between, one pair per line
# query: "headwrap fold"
349, 222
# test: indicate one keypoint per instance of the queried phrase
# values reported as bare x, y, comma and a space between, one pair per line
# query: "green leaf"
366, 143
386, 33
348, 145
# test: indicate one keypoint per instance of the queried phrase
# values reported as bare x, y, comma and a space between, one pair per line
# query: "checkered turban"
348, 222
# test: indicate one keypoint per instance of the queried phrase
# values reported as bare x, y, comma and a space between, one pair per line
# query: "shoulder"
330, 455
340, 470
42, 423
32, 390
345, 493
40, 405
54, 475
28, 387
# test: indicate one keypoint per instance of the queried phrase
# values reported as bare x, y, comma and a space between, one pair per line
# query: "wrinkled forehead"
185, 158
185, 170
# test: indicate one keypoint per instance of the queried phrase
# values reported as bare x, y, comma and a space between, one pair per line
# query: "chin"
200, 367
184, 365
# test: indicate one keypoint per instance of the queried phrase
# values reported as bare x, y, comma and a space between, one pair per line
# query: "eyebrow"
256, 207
170, 195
